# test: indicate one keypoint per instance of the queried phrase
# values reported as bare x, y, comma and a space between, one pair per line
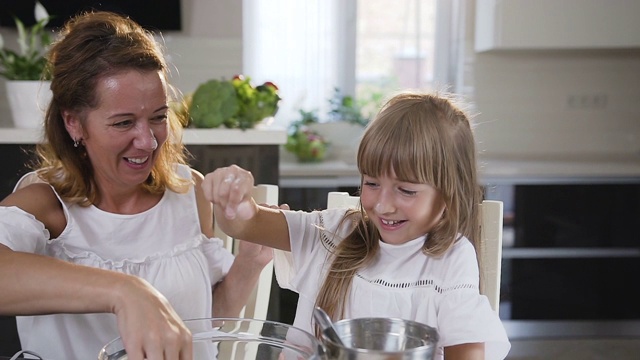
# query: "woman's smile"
123, 133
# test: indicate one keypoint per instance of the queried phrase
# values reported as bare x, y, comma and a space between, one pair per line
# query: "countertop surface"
332, 173
190, 137
336, 172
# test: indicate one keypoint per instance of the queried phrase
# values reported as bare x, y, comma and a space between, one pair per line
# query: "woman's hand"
230, 188
257, 255
148, 325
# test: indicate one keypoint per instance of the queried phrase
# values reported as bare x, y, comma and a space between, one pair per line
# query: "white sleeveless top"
163, 245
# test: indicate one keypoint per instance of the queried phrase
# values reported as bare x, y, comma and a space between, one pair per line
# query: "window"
395, 47
366, 48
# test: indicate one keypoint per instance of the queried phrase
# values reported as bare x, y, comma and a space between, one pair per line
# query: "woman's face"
401, 211
123, 134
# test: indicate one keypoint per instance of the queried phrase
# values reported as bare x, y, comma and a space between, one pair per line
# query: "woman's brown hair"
422, 138
92, 46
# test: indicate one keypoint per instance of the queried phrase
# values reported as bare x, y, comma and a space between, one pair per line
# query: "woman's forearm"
232, 293
33, 284
471, 351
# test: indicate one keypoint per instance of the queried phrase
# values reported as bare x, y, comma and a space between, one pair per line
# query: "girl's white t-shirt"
402, 283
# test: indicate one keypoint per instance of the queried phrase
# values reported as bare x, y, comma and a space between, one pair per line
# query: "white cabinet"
557, 24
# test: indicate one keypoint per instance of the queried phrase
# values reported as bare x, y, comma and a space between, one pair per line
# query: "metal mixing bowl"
382, 338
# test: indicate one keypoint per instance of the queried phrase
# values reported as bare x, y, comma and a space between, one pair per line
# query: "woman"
115, 221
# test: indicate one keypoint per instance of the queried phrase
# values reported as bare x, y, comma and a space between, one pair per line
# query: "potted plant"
344, 126
304, 142
26, 71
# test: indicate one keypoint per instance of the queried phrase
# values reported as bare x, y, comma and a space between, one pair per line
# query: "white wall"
573, 105
209, 46
547, 104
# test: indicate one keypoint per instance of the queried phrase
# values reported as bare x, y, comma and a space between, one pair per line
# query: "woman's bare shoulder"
40, 200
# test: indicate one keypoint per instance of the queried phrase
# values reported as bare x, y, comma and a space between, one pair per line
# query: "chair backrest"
258, 302
490, 252
490, 257
337, 199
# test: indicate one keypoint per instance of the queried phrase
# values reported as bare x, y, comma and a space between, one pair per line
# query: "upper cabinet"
557, 24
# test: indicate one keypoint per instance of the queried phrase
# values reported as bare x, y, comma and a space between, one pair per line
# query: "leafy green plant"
345, 108
30, 62
233, 103
306, 118
213, 103
255, 102
307, 145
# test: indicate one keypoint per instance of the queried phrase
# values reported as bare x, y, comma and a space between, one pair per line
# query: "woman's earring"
76, 143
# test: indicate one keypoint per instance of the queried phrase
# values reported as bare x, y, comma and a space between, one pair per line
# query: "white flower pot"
28, 101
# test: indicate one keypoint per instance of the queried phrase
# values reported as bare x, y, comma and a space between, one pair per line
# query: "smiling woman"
111, 233
123, 132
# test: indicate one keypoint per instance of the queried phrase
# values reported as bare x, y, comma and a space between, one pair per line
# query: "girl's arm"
236, 212
473, 351
232, 293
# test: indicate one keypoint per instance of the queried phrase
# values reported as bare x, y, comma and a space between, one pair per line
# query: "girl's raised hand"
230, 188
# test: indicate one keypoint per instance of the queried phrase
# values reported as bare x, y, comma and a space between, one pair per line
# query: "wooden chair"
491, 212
258, 303
490, 252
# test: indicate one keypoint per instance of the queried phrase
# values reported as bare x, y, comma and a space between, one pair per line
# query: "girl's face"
400, 210
123, 133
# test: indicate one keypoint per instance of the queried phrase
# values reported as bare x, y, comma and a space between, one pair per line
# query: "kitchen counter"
336, 173
190, 137
254, 149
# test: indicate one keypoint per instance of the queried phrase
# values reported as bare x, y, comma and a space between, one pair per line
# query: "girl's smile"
401, 211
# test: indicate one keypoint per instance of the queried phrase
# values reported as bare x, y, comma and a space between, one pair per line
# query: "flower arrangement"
30, 62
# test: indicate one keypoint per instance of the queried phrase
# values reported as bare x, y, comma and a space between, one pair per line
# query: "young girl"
409, 253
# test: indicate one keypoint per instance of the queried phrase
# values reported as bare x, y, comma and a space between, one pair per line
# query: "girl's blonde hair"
422, 138
92, 46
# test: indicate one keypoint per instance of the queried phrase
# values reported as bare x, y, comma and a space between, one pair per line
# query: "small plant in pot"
29, 63
305, 143
345, 108
26, 71
344, 125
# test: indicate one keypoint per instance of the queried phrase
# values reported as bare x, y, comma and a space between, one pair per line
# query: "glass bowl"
237, 338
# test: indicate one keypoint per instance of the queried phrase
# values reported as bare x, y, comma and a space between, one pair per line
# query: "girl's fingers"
230, 187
